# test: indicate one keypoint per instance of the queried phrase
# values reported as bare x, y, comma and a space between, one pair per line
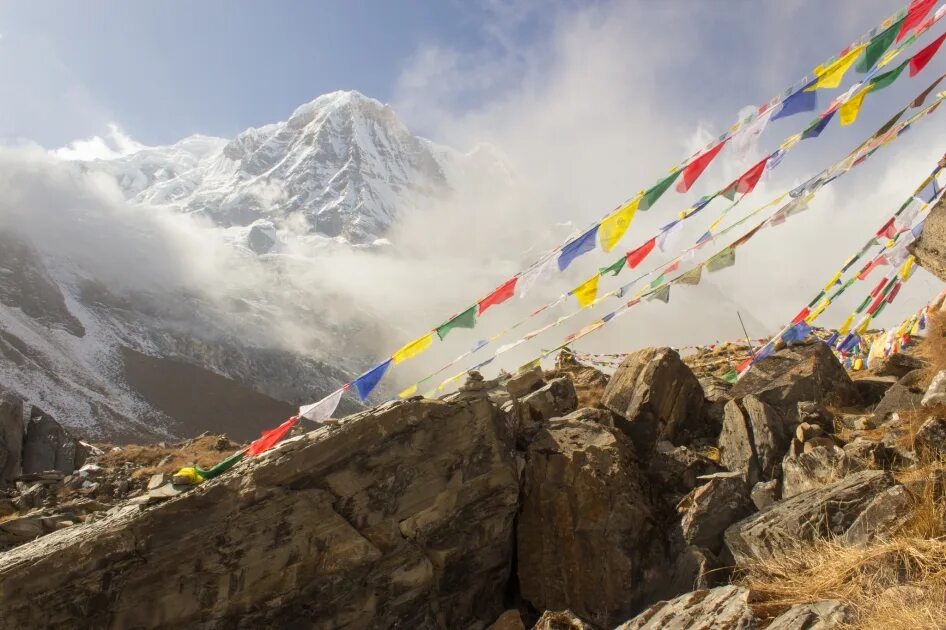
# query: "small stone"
509, 620
936, 392
815, 442
765, 493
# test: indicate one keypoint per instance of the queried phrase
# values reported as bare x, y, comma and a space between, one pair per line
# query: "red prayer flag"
742, 367
919, 60
880, 260
917, 11
879, 287
693, 170
750, 178
672, 267
637, 256
499, 296
893, 293
889, 230
269, 439
802, 316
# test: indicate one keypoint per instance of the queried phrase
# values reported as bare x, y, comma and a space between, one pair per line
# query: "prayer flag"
802, 315
852, 107
657, 190
407, 393
915, 14
798, 332
878, 46
587, 291
692, 277
573, 249
501, 294
662, 294
466, 319
269, 439
725, 258
413, 349
893, 293
746, 182
745, 237
322, 410
814, 130
906, 270
888, 230
830, 76
613, 227
921, 98
846, 326
803, 100
656, 282
884, 80
694, 169
532, 276
919, 60
615, 268
366, 383
747, 138
637, 256
669, 235
835, 279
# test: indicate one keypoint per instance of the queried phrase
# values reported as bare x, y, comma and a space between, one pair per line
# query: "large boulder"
555, 399
930, 247
659, 398
802, 372
824, 615
713, 507
821, 513
399, 517
585, 529
754, 439
904, 395
723, 608
11, 437
814, 468
48, 446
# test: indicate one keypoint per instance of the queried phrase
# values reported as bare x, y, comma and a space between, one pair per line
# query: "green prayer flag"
877, 47
466, 319
659, 280
615, 268
730, 192
731, 376
816, 300
880, 308
662, 294
884, 80
863, 304
725, 258
658, 189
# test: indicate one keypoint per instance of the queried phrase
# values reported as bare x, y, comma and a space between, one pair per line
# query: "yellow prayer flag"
906, 270
852, 108
586, 292
412, 349
862, 327
832, 75
612, 229
834, 281
818, 311
846, 326
410, 391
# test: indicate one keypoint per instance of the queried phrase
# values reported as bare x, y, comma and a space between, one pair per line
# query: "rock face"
50, 447
713, 507
585, 529
806, 372
929, 247
723, 608
820, 513
659, 398
824, 615
754, 439
402, 517
11, 437
815, 468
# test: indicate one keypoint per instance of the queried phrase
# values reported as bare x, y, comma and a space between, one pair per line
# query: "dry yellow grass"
204, 451
933, 348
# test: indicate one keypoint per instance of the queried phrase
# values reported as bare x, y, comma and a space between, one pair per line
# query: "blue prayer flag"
815, 130
366, 383
800, 101
581, 245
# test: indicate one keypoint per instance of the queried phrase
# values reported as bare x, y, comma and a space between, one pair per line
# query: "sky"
588, 102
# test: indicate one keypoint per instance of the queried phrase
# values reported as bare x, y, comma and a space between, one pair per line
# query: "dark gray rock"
930, 439
48, 446
659, 398
555, 399
754, 439
11, 437
899, 397
827, 511
722, 608
825, 615
674, 470
713, 507
887, 512
873, 388
898, 365
525, 382
815, 468
765, 493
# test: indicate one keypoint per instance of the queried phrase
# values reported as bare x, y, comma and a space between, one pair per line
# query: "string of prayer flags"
804, 100
746, 182
722, 260
637, 256
413, 349
915, 14
322, 410
366, 383
655, 192
270, 438
830, 76
694, 169
466, 319
572, 250
612, 229
878, 46
850, 109
586, 292
501, 294
922, 58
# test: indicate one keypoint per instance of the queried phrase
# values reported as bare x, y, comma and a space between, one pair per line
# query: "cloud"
115, 143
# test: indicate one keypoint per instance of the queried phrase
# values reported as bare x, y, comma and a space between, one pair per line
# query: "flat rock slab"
723, 608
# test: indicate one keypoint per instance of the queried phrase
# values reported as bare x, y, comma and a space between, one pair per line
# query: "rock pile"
517, 502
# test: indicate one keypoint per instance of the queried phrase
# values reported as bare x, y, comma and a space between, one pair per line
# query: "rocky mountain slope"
666, 501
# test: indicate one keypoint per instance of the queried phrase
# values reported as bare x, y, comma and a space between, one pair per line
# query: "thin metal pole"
748, 341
